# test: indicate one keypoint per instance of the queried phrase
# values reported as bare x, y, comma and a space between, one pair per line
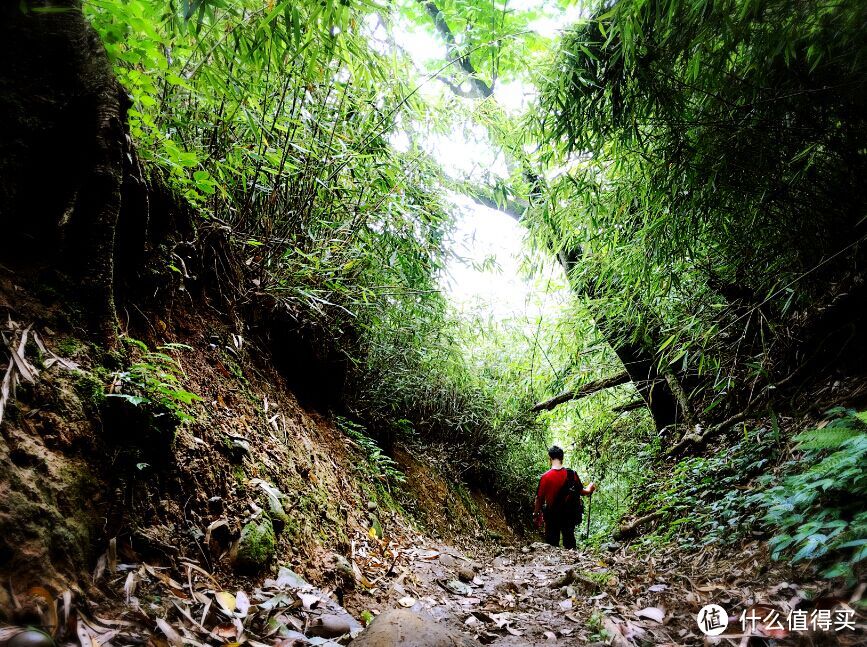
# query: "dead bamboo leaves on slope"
19, 369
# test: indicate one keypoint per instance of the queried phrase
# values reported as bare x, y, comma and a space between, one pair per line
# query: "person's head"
555, 453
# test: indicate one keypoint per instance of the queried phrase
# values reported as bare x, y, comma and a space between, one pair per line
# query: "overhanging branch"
513, 208
631, 406
583, 391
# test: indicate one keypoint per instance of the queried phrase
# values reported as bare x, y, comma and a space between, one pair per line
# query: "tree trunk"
650, 384
62, 167
638, 361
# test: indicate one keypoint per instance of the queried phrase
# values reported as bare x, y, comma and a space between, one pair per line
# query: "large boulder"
403, 628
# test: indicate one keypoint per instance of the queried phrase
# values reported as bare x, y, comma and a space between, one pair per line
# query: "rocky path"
539, 595
424, 594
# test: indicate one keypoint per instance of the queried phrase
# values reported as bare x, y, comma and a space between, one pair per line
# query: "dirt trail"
537, 594
528, 595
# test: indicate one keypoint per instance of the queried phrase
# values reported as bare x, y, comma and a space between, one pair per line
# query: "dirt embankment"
251, 482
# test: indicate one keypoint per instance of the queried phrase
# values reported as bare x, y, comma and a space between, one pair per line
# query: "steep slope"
90, 458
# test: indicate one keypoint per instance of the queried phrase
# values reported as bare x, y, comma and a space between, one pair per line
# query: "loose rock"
332, 625
404, 628
466, 574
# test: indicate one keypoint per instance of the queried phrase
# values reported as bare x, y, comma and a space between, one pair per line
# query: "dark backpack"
567, 504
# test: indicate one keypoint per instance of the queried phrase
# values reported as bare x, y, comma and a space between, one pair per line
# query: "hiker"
558, 501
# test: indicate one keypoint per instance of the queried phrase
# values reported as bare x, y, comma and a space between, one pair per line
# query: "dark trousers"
555, 526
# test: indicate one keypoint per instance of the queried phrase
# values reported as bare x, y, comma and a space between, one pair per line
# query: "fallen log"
627, 530
582, 391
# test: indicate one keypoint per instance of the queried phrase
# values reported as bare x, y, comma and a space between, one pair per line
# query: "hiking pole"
589, 508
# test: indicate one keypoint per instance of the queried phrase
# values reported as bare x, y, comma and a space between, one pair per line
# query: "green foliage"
287, 109
708, 161
706, 500
380, 467
154, 381
702, 158
817, 509
90, 390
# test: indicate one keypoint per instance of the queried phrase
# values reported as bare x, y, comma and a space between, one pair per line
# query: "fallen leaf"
242, 603
225, 630
287, 577
169, 632
457, 587
129, 585
309, 601
656, 614
226, 600
84, 636
616, 630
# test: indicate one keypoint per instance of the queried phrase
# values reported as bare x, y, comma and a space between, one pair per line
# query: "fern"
829, 437
818, 507
381, 467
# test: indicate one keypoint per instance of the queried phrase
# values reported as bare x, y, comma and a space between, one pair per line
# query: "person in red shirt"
545, 507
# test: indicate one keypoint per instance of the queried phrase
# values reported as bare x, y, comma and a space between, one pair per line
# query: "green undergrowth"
705, 500
807, 497
817, 508
377, 466
154, 379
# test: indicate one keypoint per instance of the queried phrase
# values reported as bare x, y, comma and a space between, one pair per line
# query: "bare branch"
515, 209
457, 89
583, 391
631, 406
480, 89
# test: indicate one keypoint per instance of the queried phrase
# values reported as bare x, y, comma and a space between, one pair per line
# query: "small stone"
466, 574
332, 625
371, 505
31, 638
256, 546
447, 560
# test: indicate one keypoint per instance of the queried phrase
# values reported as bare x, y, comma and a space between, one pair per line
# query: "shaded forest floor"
528, 595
